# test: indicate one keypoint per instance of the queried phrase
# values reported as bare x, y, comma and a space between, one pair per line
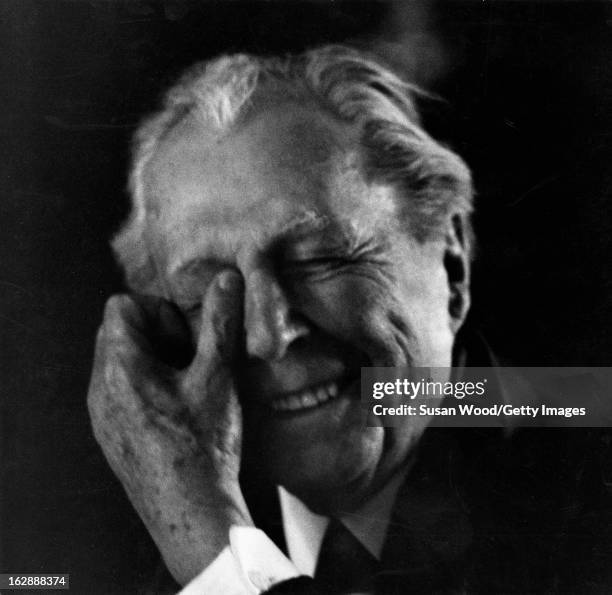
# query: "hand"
172, 436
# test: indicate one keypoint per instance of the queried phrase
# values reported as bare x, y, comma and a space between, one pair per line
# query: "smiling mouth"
309, 398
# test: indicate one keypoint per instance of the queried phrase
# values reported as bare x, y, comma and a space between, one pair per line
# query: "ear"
457, 264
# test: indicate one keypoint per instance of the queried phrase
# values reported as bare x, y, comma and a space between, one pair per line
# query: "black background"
527, 91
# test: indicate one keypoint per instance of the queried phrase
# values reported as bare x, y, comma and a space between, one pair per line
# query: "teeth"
322, 395
294, 402
307, 399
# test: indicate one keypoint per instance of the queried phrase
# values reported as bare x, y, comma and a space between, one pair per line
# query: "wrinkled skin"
332, 281
175, 453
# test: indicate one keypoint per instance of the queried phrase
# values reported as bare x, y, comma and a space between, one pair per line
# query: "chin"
330, 476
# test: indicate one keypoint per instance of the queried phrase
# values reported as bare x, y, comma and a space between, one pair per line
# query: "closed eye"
369, 261
314, 265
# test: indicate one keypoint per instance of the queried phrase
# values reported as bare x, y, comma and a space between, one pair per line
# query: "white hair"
347, 83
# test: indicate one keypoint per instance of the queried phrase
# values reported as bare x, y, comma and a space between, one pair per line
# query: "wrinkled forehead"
285, 166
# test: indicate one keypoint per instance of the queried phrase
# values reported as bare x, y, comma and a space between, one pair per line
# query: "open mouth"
310, 377
309, 398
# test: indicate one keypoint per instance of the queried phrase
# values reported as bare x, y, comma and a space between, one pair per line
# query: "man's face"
333, 281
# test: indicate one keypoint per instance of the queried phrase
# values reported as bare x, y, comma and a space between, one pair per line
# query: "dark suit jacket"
488, 511
484, 513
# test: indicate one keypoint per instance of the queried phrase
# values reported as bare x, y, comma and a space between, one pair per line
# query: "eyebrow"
302, 227
312, 225
307, 223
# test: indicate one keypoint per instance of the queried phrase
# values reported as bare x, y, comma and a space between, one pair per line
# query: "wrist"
199, 532
224, 502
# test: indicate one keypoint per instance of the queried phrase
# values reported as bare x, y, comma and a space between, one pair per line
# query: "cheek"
400, 321
426, 310
344, 307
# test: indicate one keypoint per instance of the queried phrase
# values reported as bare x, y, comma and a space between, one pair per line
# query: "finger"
220, 341
127, 367
111, 401
125, 330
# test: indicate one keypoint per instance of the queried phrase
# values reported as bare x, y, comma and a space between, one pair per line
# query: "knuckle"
114, 323
118, 311
117, 305
117, 371
112, 354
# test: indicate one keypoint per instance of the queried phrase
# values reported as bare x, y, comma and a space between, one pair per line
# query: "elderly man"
291, 223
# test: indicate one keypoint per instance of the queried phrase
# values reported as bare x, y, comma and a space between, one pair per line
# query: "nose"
270, 324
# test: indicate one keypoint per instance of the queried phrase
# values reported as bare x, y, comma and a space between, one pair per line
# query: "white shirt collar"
304, 529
